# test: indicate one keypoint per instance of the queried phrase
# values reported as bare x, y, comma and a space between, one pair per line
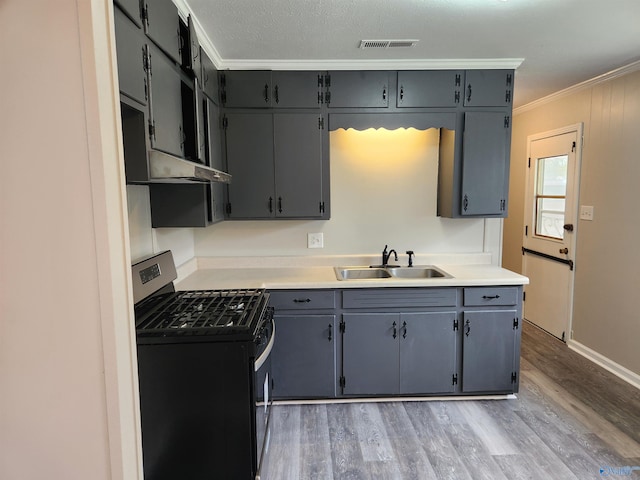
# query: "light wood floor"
571, 419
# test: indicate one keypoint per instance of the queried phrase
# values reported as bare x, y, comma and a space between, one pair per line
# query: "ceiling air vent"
387, 43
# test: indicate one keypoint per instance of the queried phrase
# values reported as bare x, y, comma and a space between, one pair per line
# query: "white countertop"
278, 273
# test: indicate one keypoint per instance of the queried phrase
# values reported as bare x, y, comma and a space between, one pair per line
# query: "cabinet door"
489, 351
488, 88
132, 9
298, 165
358, 89
131, 53
217, 198
246, 89
370, 353
195, 59
209, 77
485, 165
166, 104
296, 89
427, 352
163, 26
303, 356
213, 139
429, 88
249, 145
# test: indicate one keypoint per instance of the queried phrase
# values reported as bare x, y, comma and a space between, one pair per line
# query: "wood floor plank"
444, 459
608, 432
346, 455
315, 447
371, 432
411, 457
486, 429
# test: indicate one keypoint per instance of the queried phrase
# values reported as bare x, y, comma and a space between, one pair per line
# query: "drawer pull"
490, 297
302, 300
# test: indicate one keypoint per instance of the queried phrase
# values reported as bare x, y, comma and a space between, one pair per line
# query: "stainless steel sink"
418, 272
377, 272
360, 273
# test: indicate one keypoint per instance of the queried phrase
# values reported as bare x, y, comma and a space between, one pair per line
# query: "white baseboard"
606, 363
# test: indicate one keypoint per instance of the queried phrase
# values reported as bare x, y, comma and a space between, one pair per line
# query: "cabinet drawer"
399, 297
302, 299
487, 296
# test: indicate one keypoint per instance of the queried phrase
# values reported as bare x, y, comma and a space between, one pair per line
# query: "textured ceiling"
561, 42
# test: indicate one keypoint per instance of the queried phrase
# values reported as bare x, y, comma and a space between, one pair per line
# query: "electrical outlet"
315, 240
586, 212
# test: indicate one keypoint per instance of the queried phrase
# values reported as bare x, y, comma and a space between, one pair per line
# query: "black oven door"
263, 387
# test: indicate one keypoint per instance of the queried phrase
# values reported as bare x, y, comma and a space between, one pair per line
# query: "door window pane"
551, 190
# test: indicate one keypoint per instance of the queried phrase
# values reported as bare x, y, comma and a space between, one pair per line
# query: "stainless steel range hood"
167, 168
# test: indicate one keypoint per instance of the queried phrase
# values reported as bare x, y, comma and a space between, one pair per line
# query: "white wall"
606, 274
67, 396
383, 191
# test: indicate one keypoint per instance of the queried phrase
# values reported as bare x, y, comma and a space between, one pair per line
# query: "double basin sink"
389, 271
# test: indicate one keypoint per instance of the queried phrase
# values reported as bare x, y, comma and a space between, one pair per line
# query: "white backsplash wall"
383, 191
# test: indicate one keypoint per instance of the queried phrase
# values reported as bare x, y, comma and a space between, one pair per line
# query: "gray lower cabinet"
489, 351
303, 359
399, 353
131, 52
303, 356
490, 327
278, 165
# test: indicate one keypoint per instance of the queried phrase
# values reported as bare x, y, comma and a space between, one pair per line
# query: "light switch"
586, 212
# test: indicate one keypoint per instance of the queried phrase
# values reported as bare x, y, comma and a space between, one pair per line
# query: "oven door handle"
265, 354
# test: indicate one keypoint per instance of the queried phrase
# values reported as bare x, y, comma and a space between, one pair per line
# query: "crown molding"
605, 77
386, 64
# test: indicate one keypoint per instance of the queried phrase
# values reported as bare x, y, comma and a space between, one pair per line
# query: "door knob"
568, 227
564, 250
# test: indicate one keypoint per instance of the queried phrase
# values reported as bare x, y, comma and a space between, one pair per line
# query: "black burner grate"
205, 312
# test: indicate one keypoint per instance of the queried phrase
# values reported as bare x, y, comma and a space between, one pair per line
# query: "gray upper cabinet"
181, 205
195, 56
166, 104
132, 9
131, 53
485, 166
489, 369
277, 165
298, 165
357, 89
162, 25
209, 77
296, 89
429, 88
488, 88
249, 150
213, 140
266, 89
246, 89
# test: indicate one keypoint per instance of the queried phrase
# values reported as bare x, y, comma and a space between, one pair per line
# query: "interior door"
550, 228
